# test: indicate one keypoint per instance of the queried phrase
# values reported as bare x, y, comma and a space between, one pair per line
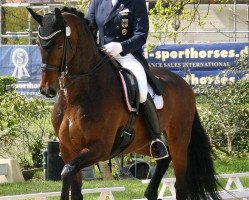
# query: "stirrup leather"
164, 151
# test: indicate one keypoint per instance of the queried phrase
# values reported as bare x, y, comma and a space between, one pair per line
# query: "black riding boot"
158, 149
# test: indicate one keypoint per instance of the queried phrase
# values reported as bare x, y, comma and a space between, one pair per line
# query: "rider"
123, 27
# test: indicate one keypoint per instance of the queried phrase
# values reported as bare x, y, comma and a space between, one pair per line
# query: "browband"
68, 33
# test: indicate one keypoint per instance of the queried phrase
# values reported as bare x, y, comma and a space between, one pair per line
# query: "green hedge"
6, 84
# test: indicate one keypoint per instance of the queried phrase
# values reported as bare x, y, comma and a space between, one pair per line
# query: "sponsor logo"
20, 59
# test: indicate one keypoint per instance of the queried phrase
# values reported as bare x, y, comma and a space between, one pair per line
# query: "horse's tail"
201, 178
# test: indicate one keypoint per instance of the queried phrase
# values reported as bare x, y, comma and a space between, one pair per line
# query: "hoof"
68, 171
151, 194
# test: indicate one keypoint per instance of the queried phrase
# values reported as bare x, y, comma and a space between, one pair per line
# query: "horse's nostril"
52, 92
48, 92
42, 91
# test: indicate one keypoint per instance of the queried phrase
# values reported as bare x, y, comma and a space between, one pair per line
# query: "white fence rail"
239, 193
104, 194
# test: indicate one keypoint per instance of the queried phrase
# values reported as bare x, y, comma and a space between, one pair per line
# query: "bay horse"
89, 110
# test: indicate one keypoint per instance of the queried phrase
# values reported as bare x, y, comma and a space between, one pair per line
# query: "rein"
73, 78
62, 69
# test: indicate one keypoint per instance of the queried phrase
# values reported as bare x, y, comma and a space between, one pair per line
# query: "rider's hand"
113, 48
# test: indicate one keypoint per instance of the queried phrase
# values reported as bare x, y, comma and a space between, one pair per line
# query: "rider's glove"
113, 48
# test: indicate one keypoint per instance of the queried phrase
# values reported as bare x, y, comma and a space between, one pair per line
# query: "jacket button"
104, 27
117, 37
117, 27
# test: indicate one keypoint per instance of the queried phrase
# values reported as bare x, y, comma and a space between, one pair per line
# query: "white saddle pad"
158, 100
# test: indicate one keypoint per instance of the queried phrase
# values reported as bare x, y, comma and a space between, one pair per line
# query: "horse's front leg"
88, 156
161, 167
76, 187
75, 183
65, 189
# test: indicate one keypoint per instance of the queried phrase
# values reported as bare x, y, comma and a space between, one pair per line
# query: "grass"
133, 188
231, 165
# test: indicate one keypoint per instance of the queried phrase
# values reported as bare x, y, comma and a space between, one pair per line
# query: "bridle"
62, 68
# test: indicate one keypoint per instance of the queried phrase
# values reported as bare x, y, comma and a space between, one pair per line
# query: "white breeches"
131, 63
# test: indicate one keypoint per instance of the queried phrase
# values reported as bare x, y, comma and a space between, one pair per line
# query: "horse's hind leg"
161, 167
180, 168
179, 153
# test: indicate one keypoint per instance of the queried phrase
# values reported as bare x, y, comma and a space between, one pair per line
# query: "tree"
3, 24
23, 128
225, 112
83, 5
16, 20
166, 18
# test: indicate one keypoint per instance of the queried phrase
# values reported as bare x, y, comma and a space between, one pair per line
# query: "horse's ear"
36, 16
58, 15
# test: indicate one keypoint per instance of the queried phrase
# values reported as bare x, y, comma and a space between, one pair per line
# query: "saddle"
130, 89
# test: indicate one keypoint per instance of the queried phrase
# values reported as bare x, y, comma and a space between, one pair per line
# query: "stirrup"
161, 148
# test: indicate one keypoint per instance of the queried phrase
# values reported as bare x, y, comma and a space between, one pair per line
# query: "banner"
196, 63
22, 62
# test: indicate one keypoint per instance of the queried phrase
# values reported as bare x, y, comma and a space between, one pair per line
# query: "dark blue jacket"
127, 22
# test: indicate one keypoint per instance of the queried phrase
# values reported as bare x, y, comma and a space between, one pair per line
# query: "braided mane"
74, 11
81, 15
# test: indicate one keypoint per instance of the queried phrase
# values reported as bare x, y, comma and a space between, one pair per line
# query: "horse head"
57, 41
